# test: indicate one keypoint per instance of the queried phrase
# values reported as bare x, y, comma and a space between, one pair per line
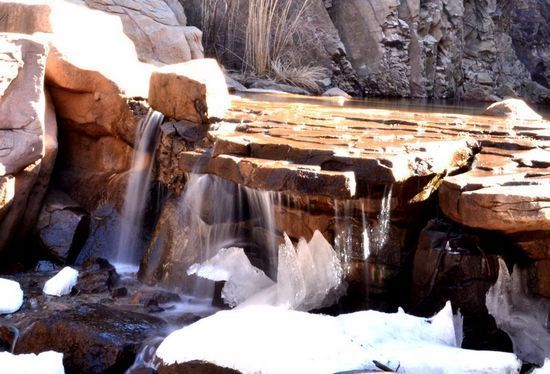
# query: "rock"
87, 74
269, 86
97, 276
11, 296
62, 226
194, 367
62, 283
514, 109
28, 135
45, 266
92, 338
380, 51
449, 265
194, 91
7, 338
157, 28
336, 92
233, 85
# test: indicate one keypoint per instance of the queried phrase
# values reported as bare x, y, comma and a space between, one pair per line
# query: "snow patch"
274, 340
62, 283
44, 363
11, 296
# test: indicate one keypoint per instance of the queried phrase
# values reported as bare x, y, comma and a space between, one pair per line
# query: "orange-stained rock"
193, 91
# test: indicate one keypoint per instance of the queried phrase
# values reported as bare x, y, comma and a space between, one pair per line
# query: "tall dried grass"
271, 26
219, 26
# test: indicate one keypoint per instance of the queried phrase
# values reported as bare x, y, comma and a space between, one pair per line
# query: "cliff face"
471, 49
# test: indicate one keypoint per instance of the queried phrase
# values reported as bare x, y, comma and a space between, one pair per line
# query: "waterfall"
218, 214
355, 241
129, 245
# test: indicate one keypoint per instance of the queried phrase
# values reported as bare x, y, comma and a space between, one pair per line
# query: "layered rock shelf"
337, 151
491, 173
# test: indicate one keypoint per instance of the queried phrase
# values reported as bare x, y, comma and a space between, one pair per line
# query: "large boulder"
27, 134
514, 109
62, 226
157, 28
89, 86
193, 91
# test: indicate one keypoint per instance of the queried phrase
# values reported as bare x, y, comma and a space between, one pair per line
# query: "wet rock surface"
195, 367
62, 226
96, 330
93, 338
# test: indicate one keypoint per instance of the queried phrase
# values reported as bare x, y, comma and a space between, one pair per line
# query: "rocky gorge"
125, 158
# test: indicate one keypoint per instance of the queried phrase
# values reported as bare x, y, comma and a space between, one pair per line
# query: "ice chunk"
308, 276
545, 369
231, 265
523, 317
62, 283
273, 340
44, 363
11, 296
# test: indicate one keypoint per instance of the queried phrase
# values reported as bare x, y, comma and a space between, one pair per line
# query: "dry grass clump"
271, 28
306, 77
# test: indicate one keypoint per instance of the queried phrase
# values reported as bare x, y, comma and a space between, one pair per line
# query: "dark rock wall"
466, 49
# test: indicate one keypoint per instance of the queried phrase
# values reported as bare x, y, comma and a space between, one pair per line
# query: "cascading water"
128, 248
373, 236
213, 213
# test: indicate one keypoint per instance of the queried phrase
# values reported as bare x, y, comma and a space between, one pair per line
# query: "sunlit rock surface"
28, 133
514, 109
274, 340
193, 91
524, 317
157, 28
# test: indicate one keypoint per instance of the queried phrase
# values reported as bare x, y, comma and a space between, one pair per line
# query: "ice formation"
523, 317
11, 296
231, 265
62, 283
272, 340
545, 369
308, 276
44, 363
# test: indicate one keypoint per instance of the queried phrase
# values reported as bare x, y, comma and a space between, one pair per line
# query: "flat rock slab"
314, 147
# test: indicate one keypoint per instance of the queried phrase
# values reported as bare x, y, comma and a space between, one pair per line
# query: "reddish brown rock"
192, 91
92, 337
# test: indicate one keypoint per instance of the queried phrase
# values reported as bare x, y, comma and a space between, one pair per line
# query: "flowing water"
129, 246
217, 214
